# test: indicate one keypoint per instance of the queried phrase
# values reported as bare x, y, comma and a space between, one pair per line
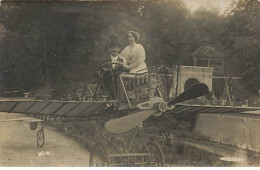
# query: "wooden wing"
24, 119
184, 108
53, 108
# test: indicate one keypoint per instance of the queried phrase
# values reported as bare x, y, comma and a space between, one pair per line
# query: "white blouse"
135, 57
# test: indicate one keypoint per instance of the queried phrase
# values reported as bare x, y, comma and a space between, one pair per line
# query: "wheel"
99, 156
157, 157
109, 65
40, 138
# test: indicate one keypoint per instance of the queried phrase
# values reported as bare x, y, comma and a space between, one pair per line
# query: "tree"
51, 44
164, 25
241, 36
59, 43
206, 27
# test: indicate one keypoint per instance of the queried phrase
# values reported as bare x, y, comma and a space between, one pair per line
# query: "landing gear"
119, 152
40, 137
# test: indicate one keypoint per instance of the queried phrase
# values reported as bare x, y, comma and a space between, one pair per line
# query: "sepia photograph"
129, 83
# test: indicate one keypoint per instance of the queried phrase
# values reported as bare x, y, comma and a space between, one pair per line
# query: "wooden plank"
50, 108
56, 101
239, 110
196, 109
6, 106
30, 107
176, 110
27, 119
11, 110
78, 109
57, 109
185, 110
22, 107
91, 109
208, 110
38, 107
224, 110
63, 110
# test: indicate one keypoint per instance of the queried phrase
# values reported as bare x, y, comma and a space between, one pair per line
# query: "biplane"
124, 101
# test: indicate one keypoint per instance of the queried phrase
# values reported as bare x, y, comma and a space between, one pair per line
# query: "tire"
157, 157
40, 138
99, 156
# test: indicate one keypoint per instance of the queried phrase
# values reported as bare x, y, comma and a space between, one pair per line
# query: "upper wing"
184, 108
53, 108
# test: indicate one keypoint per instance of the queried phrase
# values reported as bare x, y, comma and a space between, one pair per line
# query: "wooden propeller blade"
193, 92
129, 122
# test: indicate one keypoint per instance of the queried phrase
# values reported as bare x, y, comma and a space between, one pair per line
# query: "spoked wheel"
40, 138
99, 156
156, 157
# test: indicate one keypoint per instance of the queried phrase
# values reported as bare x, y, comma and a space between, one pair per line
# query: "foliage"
56, 42
165, 25
241, 37
51, 44
207, 28
48, 44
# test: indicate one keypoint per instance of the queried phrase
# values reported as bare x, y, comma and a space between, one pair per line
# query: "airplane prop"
126, 123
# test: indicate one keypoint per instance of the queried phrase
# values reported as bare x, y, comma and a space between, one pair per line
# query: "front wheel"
40, 138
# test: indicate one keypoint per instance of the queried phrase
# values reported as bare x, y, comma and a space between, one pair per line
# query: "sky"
222, 5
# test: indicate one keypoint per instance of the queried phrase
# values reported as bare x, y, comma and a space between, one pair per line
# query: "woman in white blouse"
134, 53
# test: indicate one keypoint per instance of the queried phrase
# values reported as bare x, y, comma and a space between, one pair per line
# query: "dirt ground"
18, 147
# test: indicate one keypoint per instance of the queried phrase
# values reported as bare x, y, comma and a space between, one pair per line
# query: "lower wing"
54, 108
185, 108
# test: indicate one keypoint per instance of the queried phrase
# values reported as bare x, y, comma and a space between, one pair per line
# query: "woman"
134, 53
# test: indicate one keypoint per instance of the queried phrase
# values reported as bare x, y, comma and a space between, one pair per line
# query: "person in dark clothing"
111, 67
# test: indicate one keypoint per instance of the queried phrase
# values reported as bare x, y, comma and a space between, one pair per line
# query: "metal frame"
142, 157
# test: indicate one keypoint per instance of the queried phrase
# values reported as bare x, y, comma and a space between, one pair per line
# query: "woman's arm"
123, 61
123, 56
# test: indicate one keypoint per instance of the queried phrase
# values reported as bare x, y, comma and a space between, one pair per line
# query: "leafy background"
48, 44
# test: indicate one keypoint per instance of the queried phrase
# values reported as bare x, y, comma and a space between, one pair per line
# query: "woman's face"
130, 39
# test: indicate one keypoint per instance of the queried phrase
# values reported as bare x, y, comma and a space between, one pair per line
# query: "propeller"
193, 92
126, 123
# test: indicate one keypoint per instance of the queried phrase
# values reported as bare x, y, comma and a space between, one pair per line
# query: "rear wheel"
40, 138
99, 156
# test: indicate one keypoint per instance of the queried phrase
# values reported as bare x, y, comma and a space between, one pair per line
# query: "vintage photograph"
130, 83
